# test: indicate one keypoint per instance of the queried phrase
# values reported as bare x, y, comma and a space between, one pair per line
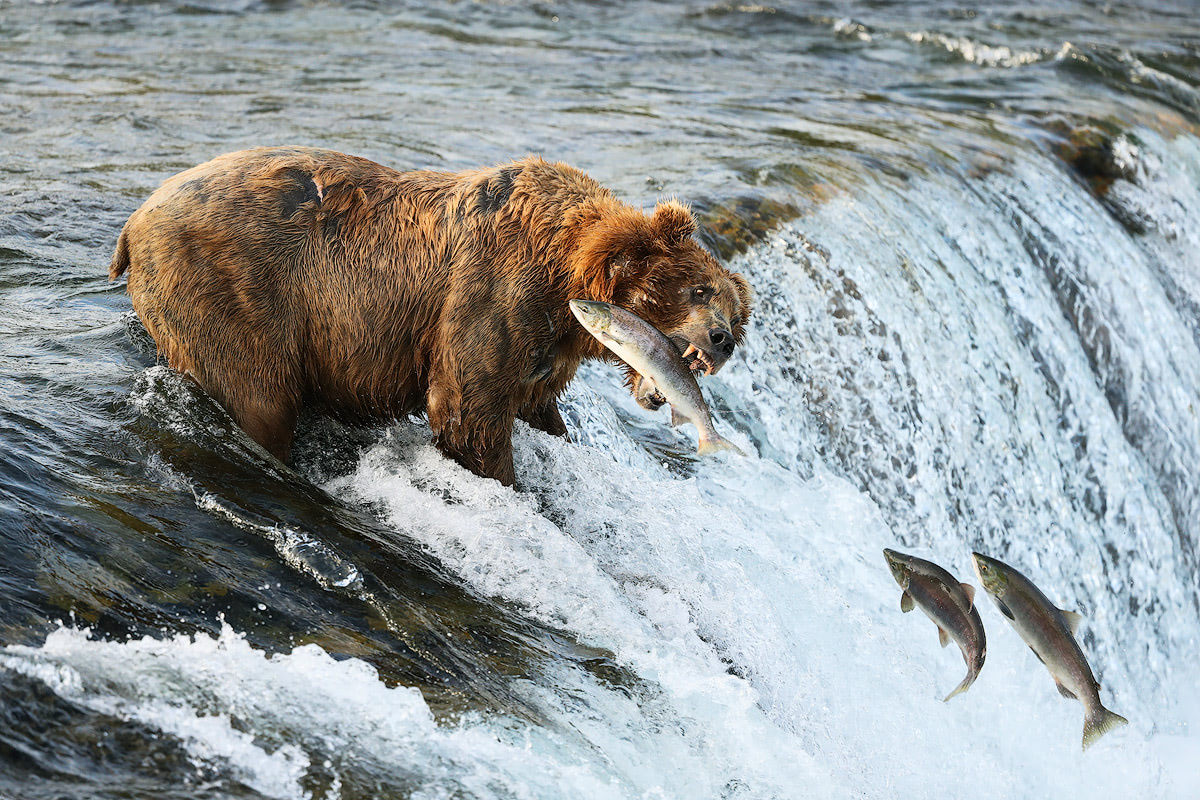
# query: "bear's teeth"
691, 348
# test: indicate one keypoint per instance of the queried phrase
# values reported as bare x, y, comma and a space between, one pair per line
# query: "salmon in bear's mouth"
697, 359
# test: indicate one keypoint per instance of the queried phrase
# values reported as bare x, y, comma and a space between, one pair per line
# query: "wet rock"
733, 227
1102, 154
1098, 154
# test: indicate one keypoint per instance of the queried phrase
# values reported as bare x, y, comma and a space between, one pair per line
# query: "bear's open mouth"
698, 361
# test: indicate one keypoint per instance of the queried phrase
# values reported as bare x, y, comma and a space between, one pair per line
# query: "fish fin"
969, 591
1073, 619
677, 419
1064, 691
1096, 725
943, 637
716, 444
1005, 610
962, 687
906, 602
1035, 652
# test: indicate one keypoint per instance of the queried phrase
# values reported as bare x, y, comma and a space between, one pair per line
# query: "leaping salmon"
950, 604
1050, 633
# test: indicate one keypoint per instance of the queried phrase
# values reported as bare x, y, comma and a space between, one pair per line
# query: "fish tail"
716, 443
1100, 723
962, 687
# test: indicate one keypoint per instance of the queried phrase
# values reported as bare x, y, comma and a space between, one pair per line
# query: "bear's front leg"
544, 416
487, 453
470, 412
482, 444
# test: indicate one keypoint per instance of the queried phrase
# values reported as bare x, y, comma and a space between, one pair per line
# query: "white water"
940, 365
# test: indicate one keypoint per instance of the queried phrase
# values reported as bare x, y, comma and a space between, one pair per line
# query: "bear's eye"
735, 322
701, 294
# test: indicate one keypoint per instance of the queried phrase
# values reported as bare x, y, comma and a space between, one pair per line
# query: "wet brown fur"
281, 277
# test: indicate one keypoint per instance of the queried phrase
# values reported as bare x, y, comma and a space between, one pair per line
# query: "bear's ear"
745, 293
672, 223
745, 305
621, 242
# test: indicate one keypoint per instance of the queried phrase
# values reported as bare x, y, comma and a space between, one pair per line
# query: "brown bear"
282, 277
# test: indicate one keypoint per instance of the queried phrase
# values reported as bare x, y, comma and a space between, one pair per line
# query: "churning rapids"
975, 241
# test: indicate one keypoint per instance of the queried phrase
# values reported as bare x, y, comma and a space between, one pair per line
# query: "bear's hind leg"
265, 409
272, 424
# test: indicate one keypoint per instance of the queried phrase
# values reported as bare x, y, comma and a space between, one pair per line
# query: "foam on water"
272, 719
977, 52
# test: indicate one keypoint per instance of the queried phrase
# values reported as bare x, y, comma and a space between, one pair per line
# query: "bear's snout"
722, 341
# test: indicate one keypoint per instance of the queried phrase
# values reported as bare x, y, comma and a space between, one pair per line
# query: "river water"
974, 236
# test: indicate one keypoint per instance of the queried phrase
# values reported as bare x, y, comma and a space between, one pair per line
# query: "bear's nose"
722, 341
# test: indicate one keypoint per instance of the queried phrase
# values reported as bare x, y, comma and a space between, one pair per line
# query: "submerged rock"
1098, 153
737, 225
1102, 154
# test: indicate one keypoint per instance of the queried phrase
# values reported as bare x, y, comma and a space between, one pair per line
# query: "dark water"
900, 138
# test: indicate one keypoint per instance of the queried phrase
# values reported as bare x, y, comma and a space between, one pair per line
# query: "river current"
974, 238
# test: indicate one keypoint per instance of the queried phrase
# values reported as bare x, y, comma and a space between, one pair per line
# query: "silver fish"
643, 347
950, 604
1050, 633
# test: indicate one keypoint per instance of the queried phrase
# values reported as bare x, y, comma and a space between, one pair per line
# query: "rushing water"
974, 237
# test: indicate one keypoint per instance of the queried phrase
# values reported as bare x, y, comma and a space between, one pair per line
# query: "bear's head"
652, 265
